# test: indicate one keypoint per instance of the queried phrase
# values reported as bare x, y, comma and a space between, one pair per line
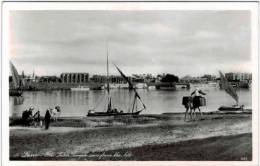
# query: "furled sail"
131, 85
15, 76
228, 88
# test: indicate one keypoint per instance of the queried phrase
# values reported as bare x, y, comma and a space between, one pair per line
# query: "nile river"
157, 101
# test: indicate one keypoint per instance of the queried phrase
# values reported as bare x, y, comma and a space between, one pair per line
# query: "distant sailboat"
16, 82
231, 91
113, 111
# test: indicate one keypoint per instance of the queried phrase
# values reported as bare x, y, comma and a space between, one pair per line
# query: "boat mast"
130, 84
108, 87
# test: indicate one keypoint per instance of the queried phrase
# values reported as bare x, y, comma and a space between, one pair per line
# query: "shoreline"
77, 137
143, 119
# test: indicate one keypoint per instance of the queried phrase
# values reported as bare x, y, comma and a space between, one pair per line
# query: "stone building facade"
238, 76
74, 78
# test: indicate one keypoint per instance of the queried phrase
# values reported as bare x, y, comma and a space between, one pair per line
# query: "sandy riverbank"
151, 134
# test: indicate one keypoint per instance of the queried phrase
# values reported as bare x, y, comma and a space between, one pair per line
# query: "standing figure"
37, 118
47, 119
24, 114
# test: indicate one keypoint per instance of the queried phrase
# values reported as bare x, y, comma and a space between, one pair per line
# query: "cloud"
138, 41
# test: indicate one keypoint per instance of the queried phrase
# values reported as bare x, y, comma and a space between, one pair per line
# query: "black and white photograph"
133, 81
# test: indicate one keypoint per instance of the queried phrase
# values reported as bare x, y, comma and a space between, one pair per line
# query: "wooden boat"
165, 86
15, 92
80, 88
231, 108
90, 113
16, 82
113, 111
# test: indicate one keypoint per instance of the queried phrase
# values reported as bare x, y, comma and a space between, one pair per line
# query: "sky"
177, 42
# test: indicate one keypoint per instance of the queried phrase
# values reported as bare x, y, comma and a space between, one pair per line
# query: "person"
24, 114
37, 118
30, 112
47, 119
27, 117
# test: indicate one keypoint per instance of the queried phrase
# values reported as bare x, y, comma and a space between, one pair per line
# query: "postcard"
123, 83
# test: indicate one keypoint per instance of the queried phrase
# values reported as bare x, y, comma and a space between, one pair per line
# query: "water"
157, 101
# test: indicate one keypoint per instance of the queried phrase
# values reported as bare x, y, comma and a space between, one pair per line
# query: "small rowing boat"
231, 108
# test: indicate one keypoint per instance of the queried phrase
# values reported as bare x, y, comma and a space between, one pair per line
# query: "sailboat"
113, 111
16, 86
231, 91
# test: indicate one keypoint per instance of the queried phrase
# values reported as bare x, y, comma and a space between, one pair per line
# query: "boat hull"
227, 108
111, 114
15, 93
79, 89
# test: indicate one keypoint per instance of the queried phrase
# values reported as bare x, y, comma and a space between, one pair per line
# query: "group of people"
28, 119
194, 102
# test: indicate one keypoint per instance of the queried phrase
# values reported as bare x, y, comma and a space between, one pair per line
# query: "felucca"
15, 89
110, 111
231, 91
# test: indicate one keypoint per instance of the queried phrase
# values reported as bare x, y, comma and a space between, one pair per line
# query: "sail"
131, 85
15, 76
228, 88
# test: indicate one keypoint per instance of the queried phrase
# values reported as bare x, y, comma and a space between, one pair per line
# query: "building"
115, 79
98, 78
72, 78
190, 79
141, 78
238, 76
209, 77
48, 79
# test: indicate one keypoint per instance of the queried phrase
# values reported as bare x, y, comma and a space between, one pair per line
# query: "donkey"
55, 113
191, 108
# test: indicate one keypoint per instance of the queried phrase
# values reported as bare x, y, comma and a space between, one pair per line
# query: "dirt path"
76, 141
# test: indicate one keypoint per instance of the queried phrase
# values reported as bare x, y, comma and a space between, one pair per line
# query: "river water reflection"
157, 101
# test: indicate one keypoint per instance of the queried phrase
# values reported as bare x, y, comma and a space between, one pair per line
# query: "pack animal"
191, 107
55, 113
